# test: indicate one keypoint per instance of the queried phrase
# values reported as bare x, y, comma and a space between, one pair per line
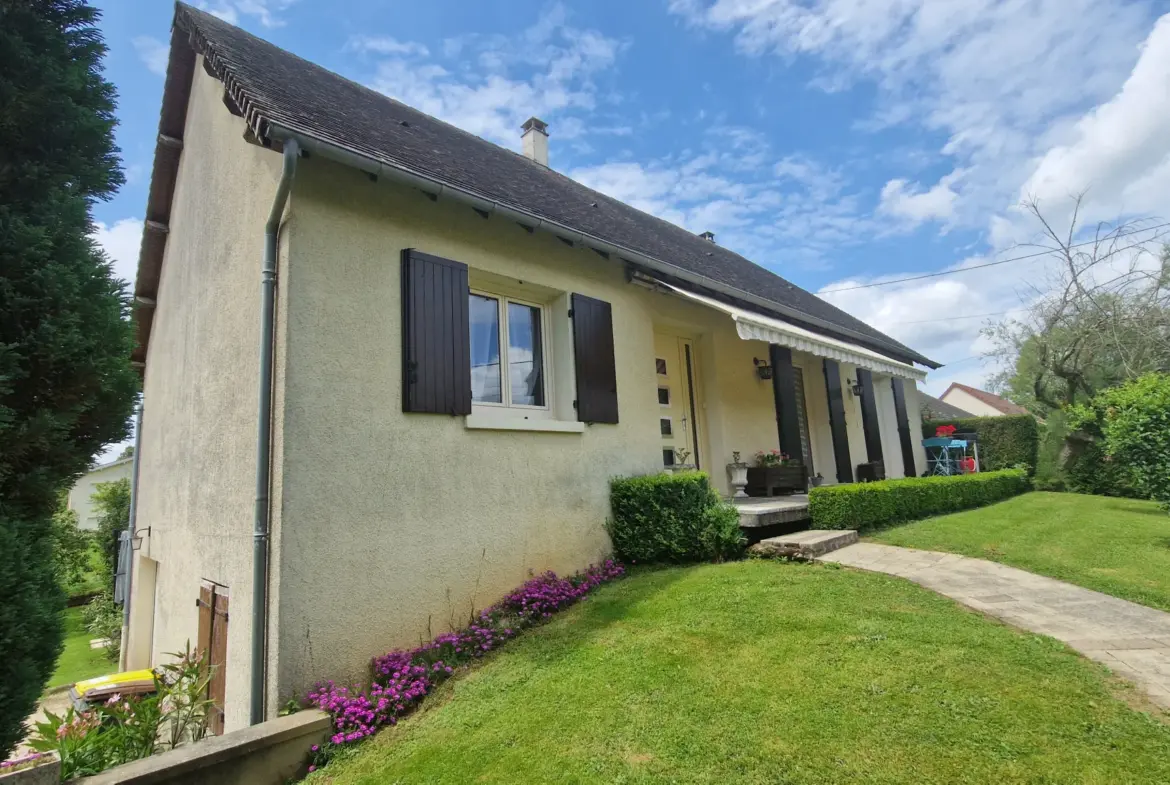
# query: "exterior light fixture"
763, 370
856, 388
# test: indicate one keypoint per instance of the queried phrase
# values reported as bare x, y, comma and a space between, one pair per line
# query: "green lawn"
1117, 546
762, 672
77, 660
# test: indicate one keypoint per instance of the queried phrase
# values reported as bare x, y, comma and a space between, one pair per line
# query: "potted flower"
681, 464
737, 472
775, 473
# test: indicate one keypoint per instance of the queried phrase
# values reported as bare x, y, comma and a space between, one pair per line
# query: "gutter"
352, 158
260, 521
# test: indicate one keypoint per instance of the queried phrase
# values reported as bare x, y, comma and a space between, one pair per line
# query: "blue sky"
837, 142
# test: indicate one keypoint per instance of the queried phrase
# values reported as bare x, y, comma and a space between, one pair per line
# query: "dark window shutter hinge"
570, 313
574, 404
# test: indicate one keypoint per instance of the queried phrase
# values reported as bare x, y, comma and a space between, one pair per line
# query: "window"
660, 366
668, 457
667, 427
664, 396
507, 352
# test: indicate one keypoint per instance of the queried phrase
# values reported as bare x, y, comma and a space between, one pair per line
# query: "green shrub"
1092, 471
1134, 419
1050, 474
1004, 442
870, 505
672, 519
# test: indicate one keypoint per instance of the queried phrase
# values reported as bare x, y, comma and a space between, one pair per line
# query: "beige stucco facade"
389, 527
81, 494
969, 403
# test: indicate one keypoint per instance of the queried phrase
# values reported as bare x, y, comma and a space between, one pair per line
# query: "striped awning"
757, 327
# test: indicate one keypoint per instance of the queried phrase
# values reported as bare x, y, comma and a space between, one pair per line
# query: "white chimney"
535, 139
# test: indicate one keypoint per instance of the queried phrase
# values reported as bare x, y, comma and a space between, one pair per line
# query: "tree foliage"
1103, 318
71, 547
1134, 419
66, 387
111, 501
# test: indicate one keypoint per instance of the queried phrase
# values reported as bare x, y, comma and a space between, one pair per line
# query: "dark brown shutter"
212, 646
837, 421
436, 344
903, 427
596, 372
784, 400
869, 416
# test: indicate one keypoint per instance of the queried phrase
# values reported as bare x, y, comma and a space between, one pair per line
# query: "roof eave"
278, 131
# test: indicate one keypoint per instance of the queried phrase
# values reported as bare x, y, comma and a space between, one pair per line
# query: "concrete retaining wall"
265, 754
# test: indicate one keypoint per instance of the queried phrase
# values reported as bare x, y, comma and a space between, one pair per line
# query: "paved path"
1131, 639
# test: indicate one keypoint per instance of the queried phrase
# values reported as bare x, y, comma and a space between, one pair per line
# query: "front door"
678, 418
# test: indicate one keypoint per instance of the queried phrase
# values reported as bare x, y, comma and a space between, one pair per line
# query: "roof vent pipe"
535, 140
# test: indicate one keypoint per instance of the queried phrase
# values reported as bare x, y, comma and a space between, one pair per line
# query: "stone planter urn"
775, 480
737, 474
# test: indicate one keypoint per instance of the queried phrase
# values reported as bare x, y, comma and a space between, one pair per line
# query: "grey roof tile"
279, 87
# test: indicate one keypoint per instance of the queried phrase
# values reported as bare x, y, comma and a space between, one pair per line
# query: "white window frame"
506, 406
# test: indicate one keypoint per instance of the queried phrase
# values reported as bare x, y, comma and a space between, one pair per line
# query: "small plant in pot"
775, 473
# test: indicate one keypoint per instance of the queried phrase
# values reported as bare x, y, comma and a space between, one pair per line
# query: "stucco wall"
199, 420
969, 403
399, 525
80, 495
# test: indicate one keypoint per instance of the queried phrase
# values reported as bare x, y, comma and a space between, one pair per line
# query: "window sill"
478, 422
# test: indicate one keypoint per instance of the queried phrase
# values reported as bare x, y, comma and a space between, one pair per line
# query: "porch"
730, 388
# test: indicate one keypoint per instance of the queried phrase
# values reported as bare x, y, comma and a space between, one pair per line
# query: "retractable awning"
756, 327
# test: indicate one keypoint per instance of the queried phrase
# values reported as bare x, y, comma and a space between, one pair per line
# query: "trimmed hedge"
672, 519
871, 505
1004, 442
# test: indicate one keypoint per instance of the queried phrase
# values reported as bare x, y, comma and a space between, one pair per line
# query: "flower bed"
403, 677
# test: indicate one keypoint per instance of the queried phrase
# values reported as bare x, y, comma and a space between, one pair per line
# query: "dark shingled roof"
272, 86
936, 409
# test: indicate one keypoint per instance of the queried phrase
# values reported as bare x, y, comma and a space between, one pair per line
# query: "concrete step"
807, 544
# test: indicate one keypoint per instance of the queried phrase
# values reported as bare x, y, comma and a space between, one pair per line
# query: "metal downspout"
123, 656
264, 436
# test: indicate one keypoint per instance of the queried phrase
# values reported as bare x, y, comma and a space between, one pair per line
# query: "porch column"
904, 435
869, 416
784, 396
837, 421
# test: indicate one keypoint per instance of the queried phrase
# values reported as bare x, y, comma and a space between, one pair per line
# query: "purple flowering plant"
403, 677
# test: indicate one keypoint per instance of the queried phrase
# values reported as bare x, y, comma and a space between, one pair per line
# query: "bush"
111, 501
1134, 419
672, 519
1004, 442
871, 505
103, 619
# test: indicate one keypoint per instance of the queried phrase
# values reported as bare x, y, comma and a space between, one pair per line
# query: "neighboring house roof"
935, 409
271, 88
991, 399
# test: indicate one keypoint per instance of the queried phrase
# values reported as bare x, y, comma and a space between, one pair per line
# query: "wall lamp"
855, 387
763, 370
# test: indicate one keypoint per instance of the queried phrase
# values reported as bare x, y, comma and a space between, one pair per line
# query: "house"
81, 494
979, 402
389, 369
934, 409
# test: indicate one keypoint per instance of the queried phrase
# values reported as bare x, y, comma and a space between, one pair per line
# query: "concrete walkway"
1131, 639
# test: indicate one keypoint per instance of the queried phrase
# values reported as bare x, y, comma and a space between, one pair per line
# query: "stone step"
806, 544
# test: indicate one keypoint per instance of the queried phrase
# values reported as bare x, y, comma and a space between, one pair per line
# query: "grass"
760, 672
1116, 546
77, 660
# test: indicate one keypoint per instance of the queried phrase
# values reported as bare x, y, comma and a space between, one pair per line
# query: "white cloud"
1001, 80
266, 12
1120, 151
153, 52
489, 85
913, 205
121, 241
386, 45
